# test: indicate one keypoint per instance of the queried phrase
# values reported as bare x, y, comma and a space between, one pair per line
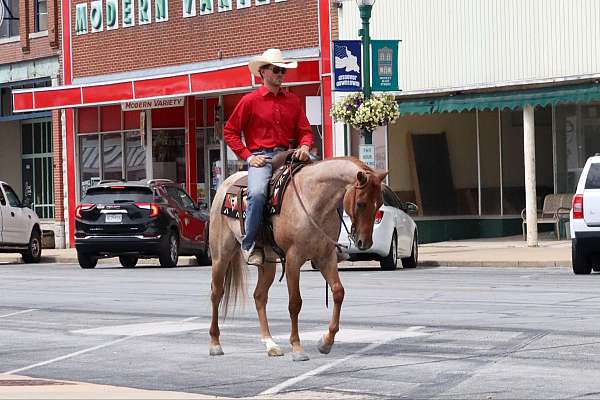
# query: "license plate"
114, 218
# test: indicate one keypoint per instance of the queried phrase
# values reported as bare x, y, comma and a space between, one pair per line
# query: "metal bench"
556, 208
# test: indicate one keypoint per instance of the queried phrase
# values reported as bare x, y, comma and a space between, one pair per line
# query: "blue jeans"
258, 184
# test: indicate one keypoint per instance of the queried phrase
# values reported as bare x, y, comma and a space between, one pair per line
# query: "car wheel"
87, 261
169, 254
580, 259
33, 254
128, 261
411, 262
390, 262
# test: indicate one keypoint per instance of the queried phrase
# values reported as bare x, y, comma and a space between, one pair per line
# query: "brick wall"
292, 24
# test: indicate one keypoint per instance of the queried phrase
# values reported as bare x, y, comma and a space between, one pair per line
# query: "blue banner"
347, 55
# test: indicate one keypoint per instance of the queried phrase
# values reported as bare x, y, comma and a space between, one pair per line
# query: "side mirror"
410, 208
26, 202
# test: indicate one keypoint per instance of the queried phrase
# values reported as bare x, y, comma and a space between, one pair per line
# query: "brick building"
149, 84
30, 142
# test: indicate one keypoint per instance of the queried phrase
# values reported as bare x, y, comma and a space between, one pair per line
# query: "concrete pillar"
530, 194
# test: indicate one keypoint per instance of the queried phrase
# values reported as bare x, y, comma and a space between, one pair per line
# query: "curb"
497, 264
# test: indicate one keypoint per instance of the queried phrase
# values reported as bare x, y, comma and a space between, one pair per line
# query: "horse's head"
361, 202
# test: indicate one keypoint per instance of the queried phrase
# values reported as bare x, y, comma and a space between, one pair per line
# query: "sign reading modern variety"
154, 103
104, 14
385, 65
348, 63
366, 154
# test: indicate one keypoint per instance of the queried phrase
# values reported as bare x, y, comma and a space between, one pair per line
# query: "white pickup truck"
585, 219
20, 230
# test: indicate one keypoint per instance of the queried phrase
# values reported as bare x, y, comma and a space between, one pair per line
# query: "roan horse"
320, 186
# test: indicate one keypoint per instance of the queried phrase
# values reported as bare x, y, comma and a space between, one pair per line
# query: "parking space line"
290, 382
19, 312
100, 346
14, 371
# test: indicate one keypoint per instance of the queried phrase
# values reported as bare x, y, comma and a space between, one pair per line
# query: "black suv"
143, 219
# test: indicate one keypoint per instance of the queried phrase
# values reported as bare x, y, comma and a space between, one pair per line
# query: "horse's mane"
354, 160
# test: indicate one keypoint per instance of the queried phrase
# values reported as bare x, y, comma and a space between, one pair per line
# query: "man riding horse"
269, 118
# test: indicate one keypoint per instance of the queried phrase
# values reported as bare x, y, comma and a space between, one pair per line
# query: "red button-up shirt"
267, 121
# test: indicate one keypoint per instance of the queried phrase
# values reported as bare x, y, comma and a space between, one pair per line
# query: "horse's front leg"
330, 272
292, 273
266, 275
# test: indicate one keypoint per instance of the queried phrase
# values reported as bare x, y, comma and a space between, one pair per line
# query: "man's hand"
258, 161
302, 153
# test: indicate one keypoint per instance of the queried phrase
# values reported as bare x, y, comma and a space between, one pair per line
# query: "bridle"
352, 232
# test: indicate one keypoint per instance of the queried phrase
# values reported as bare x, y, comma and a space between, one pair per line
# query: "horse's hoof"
275, 351
216, 350
300, 356
324, 348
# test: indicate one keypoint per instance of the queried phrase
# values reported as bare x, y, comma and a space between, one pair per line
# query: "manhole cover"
30, 382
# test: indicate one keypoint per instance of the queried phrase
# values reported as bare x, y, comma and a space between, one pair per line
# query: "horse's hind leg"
266, 275
219, 270
331, 275
292, 274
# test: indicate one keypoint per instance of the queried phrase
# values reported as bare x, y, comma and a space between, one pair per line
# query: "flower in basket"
378, 110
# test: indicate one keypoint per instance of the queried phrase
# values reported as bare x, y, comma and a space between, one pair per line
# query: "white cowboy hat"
270, 56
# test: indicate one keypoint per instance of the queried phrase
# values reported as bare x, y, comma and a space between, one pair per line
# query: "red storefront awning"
236, 78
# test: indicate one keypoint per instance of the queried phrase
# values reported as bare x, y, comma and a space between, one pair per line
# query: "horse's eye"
361, 205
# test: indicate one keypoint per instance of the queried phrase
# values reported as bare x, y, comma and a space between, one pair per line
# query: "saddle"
235, 201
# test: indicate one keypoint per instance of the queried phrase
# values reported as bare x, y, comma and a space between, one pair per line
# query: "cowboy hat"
270, 56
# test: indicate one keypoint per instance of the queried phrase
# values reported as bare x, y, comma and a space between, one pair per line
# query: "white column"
530, 195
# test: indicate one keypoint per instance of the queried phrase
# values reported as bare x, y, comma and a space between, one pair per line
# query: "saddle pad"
279, 182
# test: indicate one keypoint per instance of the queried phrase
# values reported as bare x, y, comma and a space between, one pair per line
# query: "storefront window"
89, 161
489, 156
136, 156
168, 154
577, 138
112, 156
200, 169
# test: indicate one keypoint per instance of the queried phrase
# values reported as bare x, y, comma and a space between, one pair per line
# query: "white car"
394, 234
585, 219
20, 229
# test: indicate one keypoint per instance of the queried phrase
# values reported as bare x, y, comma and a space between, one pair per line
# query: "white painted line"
145, 329
360, 335
19, 312
14, 371
70, 355
290, 382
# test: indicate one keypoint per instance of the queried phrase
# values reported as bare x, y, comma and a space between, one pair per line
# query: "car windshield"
118, 194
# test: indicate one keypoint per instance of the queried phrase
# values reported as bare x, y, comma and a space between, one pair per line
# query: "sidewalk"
22, 387
509, 251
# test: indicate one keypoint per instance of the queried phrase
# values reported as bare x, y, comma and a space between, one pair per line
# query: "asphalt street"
443, 332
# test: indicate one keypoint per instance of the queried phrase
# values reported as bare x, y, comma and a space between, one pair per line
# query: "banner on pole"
385, 65
347, 65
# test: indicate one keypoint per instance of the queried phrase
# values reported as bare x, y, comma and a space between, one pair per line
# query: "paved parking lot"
425, 333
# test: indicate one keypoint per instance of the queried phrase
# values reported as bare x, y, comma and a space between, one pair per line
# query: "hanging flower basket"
378, 110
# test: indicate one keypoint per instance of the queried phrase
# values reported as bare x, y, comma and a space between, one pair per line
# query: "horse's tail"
235, 286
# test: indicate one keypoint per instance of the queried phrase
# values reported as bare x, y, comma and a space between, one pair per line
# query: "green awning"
503, 100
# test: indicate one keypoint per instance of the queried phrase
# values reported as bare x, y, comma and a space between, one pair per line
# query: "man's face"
273, 75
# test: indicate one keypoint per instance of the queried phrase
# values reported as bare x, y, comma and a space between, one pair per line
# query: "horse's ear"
361, 177
381, 174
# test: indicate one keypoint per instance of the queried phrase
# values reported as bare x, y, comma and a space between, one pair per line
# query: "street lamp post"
365, 7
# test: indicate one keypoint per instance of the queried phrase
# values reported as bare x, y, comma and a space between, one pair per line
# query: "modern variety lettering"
106, 12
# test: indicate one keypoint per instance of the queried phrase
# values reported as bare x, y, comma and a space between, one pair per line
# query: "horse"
306, 229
